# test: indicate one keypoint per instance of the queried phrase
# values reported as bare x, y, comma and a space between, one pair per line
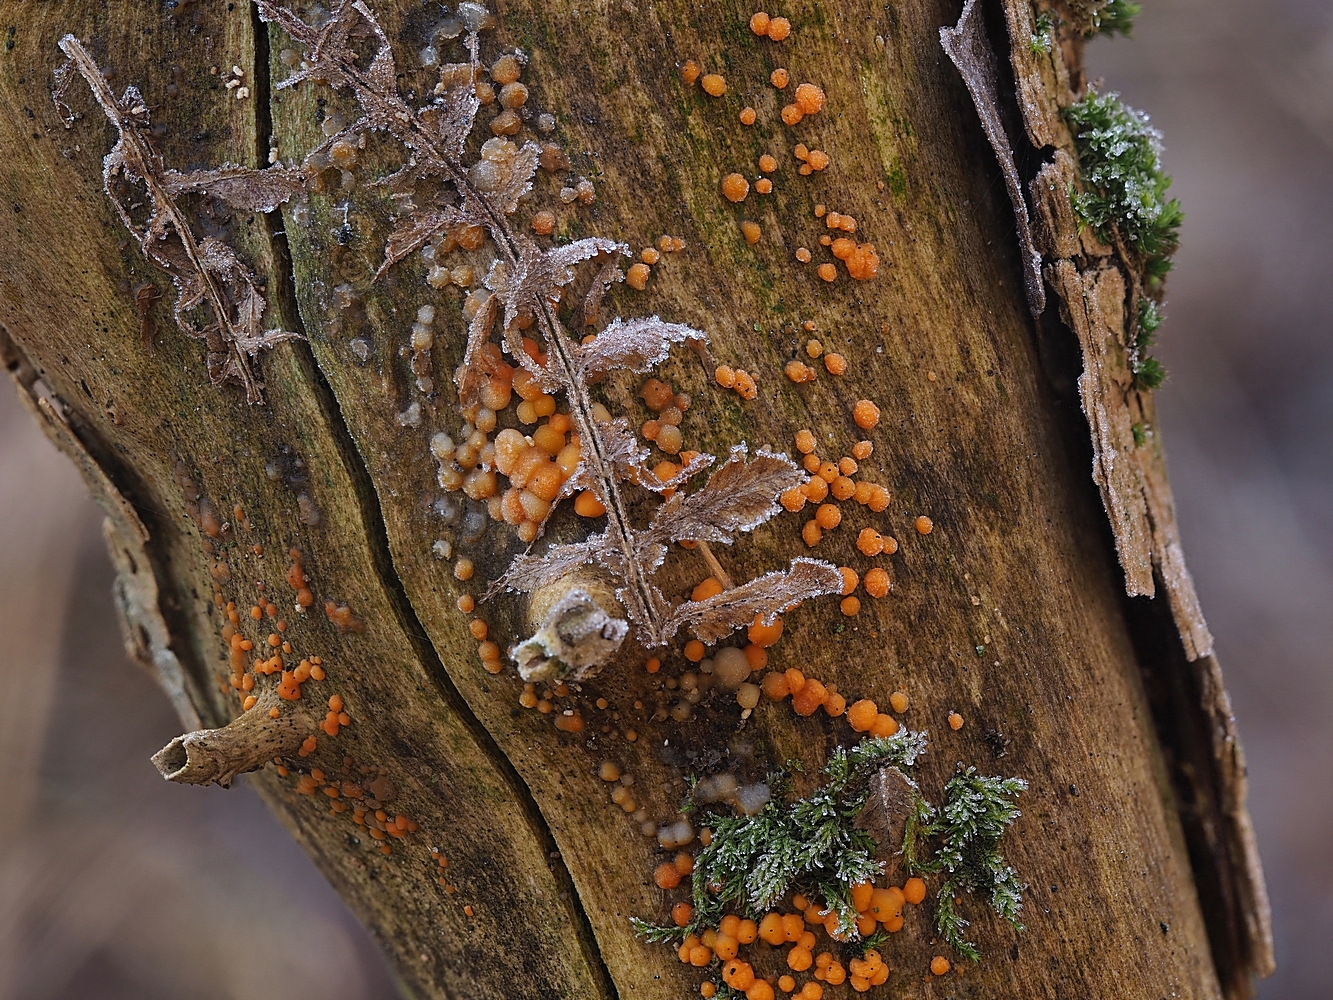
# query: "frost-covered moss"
1123, 198
1148, 371
977, 811
1124, 187
1116, 17
810, 844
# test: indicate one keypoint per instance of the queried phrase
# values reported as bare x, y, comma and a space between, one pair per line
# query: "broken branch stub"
245, 744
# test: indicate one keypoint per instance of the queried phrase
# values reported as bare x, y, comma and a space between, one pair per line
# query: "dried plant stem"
146, 162
714, 566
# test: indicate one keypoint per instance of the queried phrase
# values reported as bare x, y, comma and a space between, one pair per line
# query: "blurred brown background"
114, 884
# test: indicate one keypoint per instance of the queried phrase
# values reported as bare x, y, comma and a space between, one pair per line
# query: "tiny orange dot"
827, 271
924, 525
748, 116
955, 721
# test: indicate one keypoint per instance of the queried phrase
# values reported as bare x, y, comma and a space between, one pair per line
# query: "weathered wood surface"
1011, 612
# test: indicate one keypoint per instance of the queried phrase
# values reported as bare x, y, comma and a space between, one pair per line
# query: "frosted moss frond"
977, 811
812, 843
1116, 17
1124, 186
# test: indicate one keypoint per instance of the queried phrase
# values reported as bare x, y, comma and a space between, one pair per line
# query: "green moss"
1116, 17
977, 811
811, 844
1043, 33
1123, 198
1148, 371
1124, 187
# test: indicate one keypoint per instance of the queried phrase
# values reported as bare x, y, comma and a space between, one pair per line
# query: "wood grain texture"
1010, 612
65, 305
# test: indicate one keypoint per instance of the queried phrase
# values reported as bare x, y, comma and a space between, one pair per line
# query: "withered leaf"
207, 273
767, 596
533, 280
414, 231
739, 496
243, 187
528, 572
471, 374
522, 169
635, 345
591, 308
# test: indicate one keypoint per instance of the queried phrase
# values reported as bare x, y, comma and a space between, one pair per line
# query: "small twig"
714, 566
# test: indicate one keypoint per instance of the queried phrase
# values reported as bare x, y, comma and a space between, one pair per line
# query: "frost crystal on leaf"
205, 272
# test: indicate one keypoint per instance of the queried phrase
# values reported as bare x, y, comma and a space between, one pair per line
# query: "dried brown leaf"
472, 374
535, 278
521, 171
206, 273
414, 231
739, 496
528, 572
591, 308
243, 187
635, 345
768, 596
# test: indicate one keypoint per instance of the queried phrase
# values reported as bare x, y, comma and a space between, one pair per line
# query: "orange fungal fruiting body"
714, 84
735, 187
636, 276
809, 99
866, 414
